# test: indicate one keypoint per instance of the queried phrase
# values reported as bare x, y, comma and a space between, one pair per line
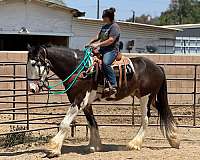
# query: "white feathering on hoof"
136, 143
173, 138
52, 149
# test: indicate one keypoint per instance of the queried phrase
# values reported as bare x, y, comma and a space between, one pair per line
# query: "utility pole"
98, 6
133, 18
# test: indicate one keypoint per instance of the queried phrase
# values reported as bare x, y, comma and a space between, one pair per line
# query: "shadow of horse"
83, 150
17, 153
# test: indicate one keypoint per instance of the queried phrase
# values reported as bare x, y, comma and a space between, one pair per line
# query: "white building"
187, 41
143, 35
35, 21
51, 21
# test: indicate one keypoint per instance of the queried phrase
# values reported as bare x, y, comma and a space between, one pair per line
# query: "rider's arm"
107, 42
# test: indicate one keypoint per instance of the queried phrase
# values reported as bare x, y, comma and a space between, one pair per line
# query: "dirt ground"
114, 139
114, 148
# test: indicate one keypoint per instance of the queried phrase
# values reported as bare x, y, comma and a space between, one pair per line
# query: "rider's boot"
113, 92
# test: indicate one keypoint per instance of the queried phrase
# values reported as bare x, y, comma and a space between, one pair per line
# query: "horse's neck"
63, 63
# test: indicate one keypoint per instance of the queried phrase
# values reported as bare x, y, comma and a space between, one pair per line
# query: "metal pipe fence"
33, 112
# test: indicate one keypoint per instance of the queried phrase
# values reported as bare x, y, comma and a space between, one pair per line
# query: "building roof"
134, 24
61, 4
183, 26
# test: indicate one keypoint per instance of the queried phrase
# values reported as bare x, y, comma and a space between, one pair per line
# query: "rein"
86, 60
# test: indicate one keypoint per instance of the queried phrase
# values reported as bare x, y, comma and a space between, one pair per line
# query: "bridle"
42, 61
41, 79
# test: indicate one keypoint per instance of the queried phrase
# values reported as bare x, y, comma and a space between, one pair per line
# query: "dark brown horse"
148, 83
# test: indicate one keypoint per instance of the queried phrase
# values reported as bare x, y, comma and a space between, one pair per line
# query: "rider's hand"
88, 45
95, 45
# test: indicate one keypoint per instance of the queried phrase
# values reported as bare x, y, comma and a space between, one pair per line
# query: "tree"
182, 12
186, 11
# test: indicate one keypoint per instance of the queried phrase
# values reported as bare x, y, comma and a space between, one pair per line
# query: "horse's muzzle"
34, 88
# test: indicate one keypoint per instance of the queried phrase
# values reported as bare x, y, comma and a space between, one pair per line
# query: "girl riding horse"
108, 42
148, 84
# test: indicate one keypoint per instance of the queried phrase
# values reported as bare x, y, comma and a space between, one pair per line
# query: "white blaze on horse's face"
33, 73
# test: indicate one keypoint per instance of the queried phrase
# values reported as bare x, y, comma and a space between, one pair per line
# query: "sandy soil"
114, 148
113, 138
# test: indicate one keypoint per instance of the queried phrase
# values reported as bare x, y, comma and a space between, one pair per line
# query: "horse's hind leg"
95, 141
136, 143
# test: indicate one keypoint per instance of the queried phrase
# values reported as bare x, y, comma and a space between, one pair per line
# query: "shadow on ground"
10, 154
85, 149
82, 150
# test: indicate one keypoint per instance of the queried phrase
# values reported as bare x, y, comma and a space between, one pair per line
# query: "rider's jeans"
108, 59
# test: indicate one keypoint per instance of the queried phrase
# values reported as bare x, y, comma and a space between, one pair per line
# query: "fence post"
133, 112
14, 87
73, 128
87, 137
27, 101
194, 96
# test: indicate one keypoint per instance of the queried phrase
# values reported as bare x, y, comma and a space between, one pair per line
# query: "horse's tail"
167, 123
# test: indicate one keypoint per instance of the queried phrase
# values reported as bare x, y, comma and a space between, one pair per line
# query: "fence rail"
29, 108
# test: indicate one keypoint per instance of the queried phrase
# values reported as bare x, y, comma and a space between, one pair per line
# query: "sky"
124, 7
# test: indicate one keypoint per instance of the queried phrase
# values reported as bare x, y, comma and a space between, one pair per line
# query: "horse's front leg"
95, 141
55, 144
136, 143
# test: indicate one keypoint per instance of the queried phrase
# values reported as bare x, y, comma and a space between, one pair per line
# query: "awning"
37, 33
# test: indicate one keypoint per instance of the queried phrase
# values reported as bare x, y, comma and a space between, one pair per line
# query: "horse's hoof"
135, 145
175, 143
52, 149
50, 153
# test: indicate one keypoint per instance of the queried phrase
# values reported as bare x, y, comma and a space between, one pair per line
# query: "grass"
14, 139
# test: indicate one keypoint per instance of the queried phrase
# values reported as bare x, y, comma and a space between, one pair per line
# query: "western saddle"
119, 64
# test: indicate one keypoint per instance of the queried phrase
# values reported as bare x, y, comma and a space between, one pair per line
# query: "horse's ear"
28, 47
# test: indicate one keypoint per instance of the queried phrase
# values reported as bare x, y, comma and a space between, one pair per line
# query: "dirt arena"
113, 138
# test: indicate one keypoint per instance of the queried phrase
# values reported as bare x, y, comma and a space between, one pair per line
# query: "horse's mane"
65, 51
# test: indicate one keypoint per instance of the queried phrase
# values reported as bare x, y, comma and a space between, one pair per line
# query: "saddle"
123, 69
120, 67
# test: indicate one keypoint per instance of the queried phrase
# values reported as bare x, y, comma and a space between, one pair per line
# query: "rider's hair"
110, 13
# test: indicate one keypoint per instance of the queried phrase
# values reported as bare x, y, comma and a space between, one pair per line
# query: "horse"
148, 84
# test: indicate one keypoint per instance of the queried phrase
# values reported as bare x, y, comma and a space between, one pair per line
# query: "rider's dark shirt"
110, 30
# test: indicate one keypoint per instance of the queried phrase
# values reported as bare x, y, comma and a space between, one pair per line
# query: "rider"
108, 42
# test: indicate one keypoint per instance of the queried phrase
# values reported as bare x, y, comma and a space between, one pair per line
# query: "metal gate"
17, 107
